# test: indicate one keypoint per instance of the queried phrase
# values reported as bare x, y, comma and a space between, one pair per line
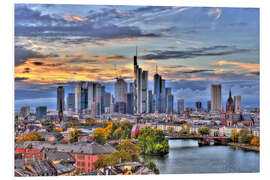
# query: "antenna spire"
136, 51
156, 69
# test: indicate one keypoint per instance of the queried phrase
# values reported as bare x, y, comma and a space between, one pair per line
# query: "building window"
80, 156
78, 164
88, 164
83, 164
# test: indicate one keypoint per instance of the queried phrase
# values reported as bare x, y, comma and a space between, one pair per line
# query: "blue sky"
193, 48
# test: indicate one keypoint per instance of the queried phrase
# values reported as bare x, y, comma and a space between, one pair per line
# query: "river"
187, 157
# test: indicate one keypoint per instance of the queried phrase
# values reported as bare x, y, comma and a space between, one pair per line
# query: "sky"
193, 48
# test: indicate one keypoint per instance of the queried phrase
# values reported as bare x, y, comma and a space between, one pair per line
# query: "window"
78, 163
83, 164
88, 164
80, 156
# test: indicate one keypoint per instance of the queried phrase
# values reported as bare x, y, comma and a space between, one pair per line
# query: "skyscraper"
60, 102
81, 97
140, 86
216, 98
108, 99
180, 106
130, 103
41, 112
150, 102
157, 92
237, 104
170, 104
71, 102
198, 106
163, 96
208, 106
25, 111
60, 98
120, 90
144, 103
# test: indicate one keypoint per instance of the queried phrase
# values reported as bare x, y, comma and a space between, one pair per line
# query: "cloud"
72, 18
248, 66
215, 13
199, 71
194, 52
30, 22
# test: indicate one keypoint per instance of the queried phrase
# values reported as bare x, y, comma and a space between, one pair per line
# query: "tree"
74, 135
185, 128
234, 135
99, 135
204, 131
255, 141
130, 149
126, 152
90, 121
243, 131
31, 136
151, 165
153, 141
246, 139
170, 129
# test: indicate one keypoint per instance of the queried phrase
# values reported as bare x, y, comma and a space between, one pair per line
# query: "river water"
187, 157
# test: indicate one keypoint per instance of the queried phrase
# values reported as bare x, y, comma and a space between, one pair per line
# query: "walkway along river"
186, 157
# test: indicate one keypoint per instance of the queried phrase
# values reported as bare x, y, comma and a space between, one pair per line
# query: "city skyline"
184, 42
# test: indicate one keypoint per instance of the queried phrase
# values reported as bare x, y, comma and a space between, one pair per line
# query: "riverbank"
245, 147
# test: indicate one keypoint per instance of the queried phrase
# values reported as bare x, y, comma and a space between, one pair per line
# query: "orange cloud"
72, 18
248, 66
47, 71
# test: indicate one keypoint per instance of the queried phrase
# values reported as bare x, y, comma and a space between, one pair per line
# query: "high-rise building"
163, 96
237, 104
60, 102
60, 98
157, 92
140, 86
208, 106
41, 112
132, 88
144, 103
108, 99
130, 103
120, 90
216, 98
71, 102
81, 97
96, 98
180, 106
170, 104
150, 102
25, 111
198, 106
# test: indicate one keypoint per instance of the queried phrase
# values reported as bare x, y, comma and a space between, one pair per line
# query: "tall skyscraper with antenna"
141, 88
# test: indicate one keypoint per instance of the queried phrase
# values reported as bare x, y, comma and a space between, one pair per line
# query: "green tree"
74, 135
153, 141
151, 165
234, 135
203, 131
130, 149
246, 139
99, 135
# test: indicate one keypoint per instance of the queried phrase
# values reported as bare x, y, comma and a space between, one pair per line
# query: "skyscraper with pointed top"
141, 88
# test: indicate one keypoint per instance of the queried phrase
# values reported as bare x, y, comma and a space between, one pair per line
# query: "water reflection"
186, 156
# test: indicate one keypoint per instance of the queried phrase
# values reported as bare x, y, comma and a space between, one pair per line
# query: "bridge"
204, 140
